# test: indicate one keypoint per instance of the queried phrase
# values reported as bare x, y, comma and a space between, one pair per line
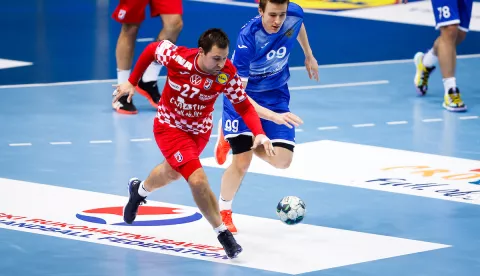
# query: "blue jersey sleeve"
294, 10
243, 55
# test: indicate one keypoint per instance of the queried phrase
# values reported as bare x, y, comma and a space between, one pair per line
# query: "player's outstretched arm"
311, 63
128, 87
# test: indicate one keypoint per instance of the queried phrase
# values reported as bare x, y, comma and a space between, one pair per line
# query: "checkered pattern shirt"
189, 94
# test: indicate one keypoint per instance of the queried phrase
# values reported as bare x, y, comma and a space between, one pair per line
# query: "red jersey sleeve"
237, 96
160, 51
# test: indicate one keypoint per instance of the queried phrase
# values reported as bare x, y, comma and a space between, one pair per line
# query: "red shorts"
133, 11
179, 147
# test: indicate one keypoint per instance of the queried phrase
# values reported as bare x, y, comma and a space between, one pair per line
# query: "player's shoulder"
294, 10
251, 27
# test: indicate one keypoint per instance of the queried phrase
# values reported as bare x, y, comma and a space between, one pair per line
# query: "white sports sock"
142, 191
224, 204
449, 83
430, 59
122, 75
220, 229
151, 74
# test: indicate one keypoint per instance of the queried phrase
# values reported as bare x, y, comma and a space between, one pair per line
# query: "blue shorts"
450, 12
276, 100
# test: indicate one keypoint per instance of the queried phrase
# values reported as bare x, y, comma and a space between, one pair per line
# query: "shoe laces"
455, 98
426, 75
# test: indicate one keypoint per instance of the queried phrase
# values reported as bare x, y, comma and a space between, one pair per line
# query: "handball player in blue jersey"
452, 17
261, 57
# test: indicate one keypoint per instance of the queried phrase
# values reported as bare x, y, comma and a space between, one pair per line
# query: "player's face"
213, 61
273, 16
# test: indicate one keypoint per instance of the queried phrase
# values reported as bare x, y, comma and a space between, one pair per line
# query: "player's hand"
288, 119
311, 65
261, 139
123, 89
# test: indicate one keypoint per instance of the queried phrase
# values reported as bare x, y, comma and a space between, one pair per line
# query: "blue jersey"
262, 57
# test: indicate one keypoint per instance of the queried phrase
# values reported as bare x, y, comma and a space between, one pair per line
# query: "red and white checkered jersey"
189, 94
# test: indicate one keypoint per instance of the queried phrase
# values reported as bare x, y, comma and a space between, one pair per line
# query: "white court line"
60, 143
468, 117
335, 85
20, 144
61, 83
372, 63
339, 65
298, 130
141, 140
432, 120
364, 125
397, 123
101, 141
146, 39
327, 128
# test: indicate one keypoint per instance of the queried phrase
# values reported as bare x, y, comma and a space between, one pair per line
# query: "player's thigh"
446, 12
177, 146
158, 7
130, 11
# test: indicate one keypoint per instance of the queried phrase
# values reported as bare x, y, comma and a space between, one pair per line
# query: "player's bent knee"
450, 32
198, 181
241, 162
172, 22
192, 170
461, 36
130, 29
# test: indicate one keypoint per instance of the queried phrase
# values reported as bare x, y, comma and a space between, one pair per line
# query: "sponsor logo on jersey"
222, 78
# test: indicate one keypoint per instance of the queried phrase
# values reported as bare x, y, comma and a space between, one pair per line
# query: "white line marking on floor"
397, 123
364, 125
335, 85
468, 117
141, 140
432, 120
100, 141
146, 39
60, 143
20, 144
327, 128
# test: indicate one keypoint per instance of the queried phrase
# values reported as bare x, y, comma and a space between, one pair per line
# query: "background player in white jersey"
453, 19
261, 57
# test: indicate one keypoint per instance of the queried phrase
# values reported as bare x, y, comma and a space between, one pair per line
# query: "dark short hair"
263, 3
212, 37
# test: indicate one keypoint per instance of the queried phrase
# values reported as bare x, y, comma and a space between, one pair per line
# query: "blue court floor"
391, 180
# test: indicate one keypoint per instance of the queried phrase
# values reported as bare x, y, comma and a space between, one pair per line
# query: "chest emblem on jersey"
207, 84
289, 33
195, 79
222, 78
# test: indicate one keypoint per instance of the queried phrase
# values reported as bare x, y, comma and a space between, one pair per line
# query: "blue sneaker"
134, 201
230, 245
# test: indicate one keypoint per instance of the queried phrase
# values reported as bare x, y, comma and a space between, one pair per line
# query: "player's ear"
260, 11
201, 51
